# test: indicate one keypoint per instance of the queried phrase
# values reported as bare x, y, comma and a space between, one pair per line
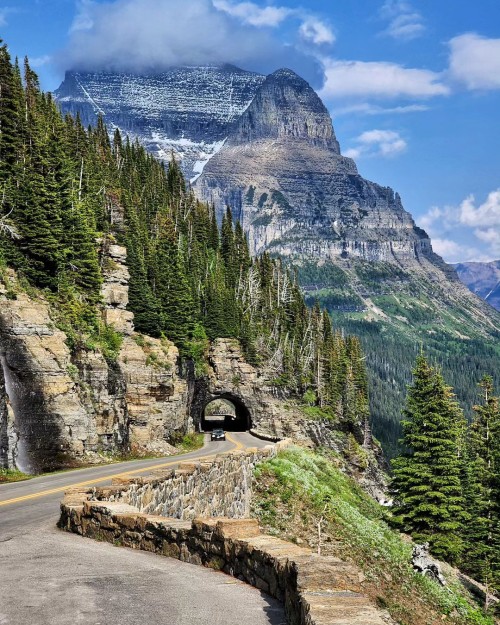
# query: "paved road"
48, 577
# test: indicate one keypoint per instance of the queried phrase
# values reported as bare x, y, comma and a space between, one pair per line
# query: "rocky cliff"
278, 165
59, 406
282, 172
187, 110
62, 407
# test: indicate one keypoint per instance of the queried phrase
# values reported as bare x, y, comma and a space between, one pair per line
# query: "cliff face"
282, 172
264, 146
187, 110
58, 408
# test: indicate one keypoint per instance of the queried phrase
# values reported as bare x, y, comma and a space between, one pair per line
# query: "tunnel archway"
227, 412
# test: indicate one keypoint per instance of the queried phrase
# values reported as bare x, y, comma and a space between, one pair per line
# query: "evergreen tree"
426, 483
68, 192
172, 289
482, 490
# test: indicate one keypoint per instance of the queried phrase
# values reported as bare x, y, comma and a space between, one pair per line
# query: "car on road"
218, 435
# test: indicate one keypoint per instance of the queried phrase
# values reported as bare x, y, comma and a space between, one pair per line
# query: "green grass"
13, 475
297, 487
191, 442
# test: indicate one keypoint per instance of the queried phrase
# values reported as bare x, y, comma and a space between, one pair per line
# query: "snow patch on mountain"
186, 110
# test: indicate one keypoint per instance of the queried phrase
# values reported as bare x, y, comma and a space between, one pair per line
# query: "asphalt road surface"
49, 577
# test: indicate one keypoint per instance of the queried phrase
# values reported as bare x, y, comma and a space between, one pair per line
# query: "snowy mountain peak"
186, 109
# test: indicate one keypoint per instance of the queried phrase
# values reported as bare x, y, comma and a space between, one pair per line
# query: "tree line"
191, 279
446, 483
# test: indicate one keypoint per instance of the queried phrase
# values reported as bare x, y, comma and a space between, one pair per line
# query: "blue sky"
413, 86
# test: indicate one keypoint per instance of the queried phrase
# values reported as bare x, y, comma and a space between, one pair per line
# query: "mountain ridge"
482, 278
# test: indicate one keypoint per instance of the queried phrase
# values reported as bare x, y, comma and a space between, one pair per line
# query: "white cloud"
83, 17
151, 35
491, 236
447, 248
253, 14
486, 214
4, 12
405, 23
384, 143
314, 30
379, 79
454, 252
475, 61
365, 108
352, 153
39, 61
452, 223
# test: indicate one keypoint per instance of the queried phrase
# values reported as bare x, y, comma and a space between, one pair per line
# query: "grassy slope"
294, 490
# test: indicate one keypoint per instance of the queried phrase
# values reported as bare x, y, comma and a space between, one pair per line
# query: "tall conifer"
426, 484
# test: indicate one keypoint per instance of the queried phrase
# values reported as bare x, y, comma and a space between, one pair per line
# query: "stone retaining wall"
219, 487
315, 590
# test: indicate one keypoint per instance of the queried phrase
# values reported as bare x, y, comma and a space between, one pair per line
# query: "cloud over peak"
153, 35
385, 143
450, 223
404, 22
380, 79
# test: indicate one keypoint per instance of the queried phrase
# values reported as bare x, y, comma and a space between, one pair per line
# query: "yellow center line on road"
237, 447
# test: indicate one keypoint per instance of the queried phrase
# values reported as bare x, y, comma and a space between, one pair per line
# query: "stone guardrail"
315, 590
219, 487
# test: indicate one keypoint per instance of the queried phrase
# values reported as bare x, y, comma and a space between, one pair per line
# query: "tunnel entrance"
228, 413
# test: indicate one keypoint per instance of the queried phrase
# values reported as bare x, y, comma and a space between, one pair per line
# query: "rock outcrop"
270, 415
60, 407
282, 173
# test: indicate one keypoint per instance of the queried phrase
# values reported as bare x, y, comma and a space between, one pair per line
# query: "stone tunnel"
237, 419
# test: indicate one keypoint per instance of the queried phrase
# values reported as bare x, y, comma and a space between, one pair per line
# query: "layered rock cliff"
282, 172
59, 406
278, 165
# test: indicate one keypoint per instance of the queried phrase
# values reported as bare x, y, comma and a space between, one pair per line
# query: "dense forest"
392, 344
191, 279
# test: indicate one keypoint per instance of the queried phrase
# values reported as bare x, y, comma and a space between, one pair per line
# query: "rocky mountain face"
282, 173
483, 279
60, 407
266, 146
187, 110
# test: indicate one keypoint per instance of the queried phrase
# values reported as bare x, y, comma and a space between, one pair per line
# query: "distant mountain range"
266, 147
483, 279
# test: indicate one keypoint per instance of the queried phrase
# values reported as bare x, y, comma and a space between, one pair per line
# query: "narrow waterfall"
13, 390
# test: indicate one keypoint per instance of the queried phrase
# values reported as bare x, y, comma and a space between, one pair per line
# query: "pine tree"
426, 483
482, 490
172, 288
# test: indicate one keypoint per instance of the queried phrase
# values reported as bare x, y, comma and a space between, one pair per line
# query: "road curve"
49, 577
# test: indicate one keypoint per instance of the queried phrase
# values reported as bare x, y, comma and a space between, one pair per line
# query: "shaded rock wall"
231, 377
58, 408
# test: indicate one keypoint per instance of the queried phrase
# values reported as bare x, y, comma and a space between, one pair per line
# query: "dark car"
218, 435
